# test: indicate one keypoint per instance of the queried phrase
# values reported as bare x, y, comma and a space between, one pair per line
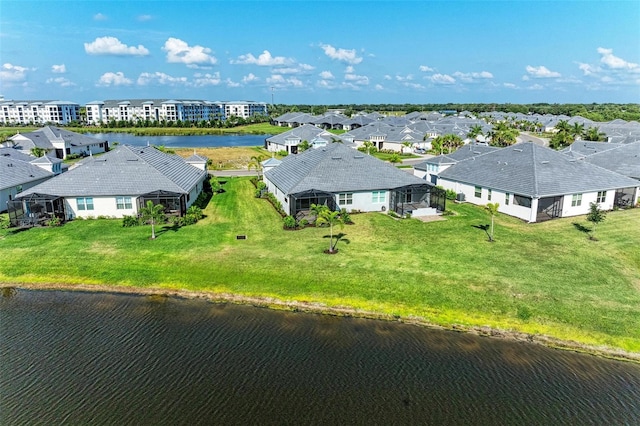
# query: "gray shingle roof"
125, 170
15, 171
623, 159
534, 171
337, 168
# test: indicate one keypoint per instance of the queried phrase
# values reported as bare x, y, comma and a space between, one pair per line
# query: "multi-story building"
168, 110
38, 112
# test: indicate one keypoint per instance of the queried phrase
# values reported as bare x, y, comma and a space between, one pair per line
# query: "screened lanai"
174, 203
300, 204
35, 210
410, 198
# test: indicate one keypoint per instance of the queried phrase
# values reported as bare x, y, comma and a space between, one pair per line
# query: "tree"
38, 152
406, 144
503, 135
577, 130
492, 208
595, 216
329, 217
594, 134
368, 147
395, 158
153, 214
255, 163
474, 132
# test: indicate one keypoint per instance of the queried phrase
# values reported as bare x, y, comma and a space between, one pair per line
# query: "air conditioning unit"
460, 196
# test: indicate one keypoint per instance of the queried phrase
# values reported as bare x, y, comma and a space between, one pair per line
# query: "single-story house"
289, 141
535, 183
620, 158
57, 142
430, 168
344, 178
19, 172
115, 184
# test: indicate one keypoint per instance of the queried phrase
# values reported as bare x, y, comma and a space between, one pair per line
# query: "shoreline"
319, 308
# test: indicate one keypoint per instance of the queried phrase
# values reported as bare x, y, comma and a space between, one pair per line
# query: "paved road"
229, 173
528, 137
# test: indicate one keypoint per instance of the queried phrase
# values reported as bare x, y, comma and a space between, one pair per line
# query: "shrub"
4, 221
346, 217
407, 215
393, 214
282, 153
189, 219
289, 222
303, 223
129, 221
54, 221
196, 212
451, 194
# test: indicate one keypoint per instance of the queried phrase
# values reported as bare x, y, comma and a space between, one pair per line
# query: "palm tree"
503, 135
577, 130
406, 144
153, 214
368, 145
330, 218
492, 208
38, 152
474, 132
255, 163
452, 142
594, 134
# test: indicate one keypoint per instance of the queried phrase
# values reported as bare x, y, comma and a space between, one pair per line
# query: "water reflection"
82, 358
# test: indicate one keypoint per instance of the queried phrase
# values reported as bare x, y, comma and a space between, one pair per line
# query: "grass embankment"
544, 279
227, 158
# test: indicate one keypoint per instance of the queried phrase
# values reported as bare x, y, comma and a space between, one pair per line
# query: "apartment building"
38, 112
169, 110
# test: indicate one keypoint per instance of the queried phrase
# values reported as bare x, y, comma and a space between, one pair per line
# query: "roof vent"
518, 149
544, 162
336, 158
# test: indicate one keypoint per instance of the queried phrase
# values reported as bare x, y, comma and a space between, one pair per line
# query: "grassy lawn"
227, 158
546, 278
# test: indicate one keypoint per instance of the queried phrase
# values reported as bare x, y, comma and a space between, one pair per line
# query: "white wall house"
534, 183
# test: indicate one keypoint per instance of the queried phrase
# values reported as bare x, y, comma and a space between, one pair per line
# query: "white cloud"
611, 61
326, 75
415, 86
99, 17
587, 69
326, 84
114, 79
379, 87
264, 60
442, 79
201, 80
13, 73
231, 83
405, 78
470, 77
179, 51
299, 69
144, 18
61, 81
278, 80
250, 78
113, 46
387, 77
425, 68
344, 55
536, 87
349, 69
510, 86
58, 69
360, 80
541, 72
160, 78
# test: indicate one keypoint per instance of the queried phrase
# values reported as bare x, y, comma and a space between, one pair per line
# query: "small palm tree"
153, 214
38, 152
331, 218
492, 208
255, 163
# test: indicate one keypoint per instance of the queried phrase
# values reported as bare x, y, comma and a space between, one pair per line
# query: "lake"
197, 141
115, 359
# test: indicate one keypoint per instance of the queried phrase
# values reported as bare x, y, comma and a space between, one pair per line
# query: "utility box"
460, 197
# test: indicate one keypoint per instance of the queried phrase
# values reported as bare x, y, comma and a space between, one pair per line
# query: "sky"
322, 52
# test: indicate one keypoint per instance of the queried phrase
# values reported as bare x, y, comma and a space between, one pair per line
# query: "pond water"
197, 141
102, 358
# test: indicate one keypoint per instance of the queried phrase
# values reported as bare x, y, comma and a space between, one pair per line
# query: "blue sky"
322, 52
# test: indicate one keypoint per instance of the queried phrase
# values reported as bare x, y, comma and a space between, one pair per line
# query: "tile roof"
126, 170
535, 171
337, 168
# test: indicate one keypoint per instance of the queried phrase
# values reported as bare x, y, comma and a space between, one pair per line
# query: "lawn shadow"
166, 228
339, 237
581, 228
485, 228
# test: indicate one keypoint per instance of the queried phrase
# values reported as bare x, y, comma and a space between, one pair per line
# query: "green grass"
547, 278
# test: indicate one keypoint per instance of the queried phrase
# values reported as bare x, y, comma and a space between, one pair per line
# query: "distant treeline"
595, 112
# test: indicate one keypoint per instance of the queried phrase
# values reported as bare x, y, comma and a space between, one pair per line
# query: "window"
85, 203
345, 199
478, 192
602, 196
123, 203
489, 194
519, 200
506, 199
576, 200
378, 196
